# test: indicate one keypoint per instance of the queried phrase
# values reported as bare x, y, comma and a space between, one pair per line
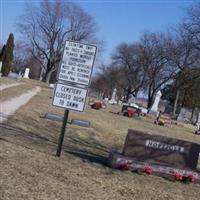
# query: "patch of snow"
9, 107
4, 86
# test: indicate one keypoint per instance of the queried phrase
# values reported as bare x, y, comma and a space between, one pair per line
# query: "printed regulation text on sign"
69, 97
77, 63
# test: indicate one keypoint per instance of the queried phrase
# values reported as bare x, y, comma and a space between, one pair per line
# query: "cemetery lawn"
14, 91
4, 80
29, 169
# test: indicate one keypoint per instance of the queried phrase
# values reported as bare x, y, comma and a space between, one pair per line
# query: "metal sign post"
74, 76
62, 134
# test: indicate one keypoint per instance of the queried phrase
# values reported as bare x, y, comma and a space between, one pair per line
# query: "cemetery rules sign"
73, 77
77, 63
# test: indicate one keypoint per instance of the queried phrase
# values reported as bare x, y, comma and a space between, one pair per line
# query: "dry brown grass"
4, 80
14, 91
30, 170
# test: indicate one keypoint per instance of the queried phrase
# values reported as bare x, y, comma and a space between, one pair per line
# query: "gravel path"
4, 86
9, 107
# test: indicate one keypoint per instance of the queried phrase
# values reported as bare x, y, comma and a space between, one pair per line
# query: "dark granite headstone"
161, 150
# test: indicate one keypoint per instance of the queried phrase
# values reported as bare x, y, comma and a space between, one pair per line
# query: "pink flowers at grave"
148, 169
124, 166
178, 176
192, 178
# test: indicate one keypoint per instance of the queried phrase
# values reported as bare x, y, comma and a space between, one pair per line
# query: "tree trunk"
48, 68
192, 115
150, 99
175, 102
149, 104
48, 75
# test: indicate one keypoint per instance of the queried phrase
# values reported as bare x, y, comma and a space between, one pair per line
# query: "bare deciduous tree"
20, 57
158, 71
46, 26
127, 56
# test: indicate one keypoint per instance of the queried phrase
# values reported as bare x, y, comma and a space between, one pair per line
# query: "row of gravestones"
131, 101
154, 108
15, 75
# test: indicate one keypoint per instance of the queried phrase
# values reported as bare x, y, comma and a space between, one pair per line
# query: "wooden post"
62, 134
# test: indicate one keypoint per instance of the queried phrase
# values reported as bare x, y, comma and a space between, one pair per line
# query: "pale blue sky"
118, 21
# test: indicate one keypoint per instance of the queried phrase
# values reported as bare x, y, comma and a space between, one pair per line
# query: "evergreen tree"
7, 55
2, 52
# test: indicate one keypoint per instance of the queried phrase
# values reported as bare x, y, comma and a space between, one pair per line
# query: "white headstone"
182, 117
0, 68
26, 74
131, 99
106, 99
51, 85
198, 122
113, 99
154, 107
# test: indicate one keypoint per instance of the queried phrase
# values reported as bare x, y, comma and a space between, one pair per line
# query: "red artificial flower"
192, 178
178, 176
131, 113
124, 166
148, 169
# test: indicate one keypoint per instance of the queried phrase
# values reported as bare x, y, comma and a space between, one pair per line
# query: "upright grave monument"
74, 76
154, 108
26, 73
0, 68
162, 154
182, 117
131, 99
113, 98
198, 124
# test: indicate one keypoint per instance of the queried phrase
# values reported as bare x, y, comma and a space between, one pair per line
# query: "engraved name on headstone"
156, 149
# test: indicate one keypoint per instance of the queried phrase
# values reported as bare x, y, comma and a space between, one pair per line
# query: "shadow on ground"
87, 150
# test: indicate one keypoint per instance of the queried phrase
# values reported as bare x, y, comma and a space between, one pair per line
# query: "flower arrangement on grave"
178, 176
148, 169
97, 105
124, 166
192, 178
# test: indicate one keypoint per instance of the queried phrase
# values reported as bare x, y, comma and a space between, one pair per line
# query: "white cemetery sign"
75, 69
69, 97
77, 63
